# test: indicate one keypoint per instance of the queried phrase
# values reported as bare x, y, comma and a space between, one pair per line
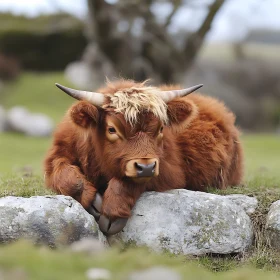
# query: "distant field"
224, 52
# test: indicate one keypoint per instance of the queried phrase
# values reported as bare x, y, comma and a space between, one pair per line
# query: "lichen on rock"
52, 220
187, 222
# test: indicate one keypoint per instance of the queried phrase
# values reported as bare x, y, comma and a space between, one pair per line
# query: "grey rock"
21, 120
154, 273
249, 204
79, 73
187, 222
89, 72
273, 225
90, 246
2, 119
98, 274
52, 220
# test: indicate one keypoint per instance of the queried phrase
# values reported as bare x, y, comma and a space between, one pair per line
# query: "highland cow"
129, 138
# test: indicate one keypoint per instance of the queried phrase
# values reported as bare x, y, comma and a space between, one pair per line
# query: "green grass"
45, 264
38, 93
22, 184
262, 155
20, 153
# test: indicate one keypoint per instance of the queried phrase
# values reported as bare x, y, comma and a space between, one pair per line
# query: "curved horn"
171, 94
93, 97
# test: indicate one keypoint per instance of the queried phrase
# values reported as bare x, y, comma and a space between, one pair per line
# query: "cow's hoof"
108, 227
96, 206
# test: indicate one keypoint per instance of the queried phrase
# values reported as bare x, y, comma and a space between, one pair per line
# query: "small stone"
90, 246
98, 274
273, 225
19, 119
155, 273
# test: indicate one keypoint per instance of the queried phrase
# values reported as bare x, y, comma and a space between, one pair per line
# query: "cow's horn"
171, 94
92, 97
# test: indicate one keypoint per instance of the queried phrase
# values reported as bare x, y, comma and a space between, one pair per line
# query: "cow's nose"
142, 168
145, 170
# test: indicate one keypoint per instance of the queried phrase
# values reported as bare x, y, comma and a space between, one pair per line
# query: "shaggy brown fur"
199, 148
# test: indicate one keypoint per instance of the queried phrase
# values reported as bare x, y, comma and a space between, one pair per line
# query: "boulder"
273, 225
52, 220
21, 120
187, 222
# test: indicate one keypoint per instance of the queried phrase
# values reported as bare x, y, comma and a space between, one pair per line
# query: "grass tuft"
22, 185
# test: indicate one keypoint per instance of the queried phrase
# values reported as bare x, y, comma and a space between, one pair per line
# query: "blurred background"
231, 46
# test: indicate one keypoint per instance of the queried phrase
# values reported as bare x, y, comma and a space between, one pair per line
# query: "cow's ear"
84, 114
181, 113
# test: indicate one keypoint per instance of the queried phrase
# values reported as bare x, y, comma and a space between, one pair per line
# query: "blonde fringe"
130, 102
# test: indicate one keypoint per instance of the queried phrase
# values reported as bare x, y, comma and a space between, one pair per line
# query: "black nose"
145, 170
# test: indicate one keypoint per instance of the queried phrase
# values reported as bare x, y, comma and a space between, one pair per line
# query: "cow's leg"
66, 179
118, 200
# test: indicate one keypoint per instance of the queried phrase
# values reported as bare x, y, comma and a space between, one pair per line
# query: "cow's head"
129, 123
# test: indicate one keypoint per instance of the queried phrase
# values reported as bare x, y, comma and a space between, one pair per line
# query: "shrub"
42, 43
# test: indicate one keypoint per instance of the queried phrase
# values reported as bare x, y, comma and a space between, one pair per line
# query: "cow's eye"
111, 130
161, 129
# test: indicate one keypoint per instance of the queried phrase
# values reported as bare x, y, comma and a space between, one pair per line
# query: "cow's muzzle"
145, 170
144, 167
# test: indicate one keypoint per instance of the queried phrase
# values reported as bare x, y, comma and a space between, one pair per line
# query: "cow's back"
210, 146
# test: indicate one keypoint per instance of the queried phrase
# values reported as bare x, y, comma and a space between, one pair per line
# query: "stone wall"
178, 221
